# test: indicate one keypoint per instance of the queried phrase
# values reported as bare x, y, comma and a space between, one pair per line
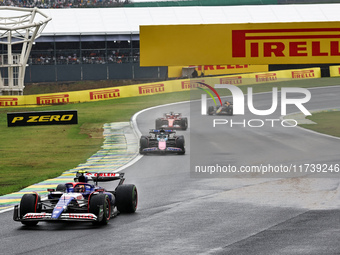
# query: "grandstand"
103, 43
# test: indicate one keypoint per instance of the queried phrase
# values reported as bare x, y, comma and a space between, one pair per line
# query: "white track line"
133, 122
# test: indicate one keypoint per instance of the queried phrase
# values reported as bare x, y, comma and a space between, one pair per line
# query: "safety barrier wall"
176, 71
202, 3
334, 71
156, 88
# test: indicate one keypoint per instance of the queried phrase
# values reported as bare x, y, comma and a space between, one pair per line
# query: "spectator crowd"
71, 59
52, 4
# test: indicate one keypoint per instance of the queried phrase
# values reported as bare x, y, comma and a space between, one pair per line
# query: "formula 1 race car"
81, 200
225, 109
172, 121
162, 141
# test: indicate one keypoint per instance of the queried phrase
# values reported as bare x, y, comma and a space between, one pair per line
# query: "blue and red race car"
81, 200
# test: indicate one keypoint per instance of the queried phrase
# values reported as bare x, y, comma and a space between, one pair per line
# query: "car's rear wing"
172, 114
101, 176
157, 131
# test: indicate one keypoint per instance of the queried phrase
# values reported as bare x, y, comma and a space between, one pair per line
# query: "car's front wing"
166, 150
43, 216
171, 128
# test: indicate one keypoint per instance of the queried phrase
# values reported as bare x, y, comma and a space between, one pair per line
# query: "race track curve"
184, 213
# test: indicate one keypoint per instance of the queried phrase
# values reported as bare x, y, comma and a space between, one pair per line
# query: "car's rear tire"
164, 123
126, 198
211, 110
231, 110
180, 144
184, 123
61, 188
100, 200
29, 204
143, 143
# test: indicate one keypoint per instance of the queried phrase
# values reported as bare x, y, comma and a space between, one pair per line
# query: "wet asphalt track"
182, 213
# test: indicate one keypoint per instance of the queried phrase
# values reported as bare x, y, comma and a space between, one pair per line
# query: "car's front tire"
180, 144
100, 200
29, 204
143, 143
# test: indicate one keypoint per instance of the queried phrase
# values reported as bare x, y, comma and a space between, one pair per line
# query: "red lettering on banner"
192, 84
335, 49
311, 41
316, 50
234, 80
53, 99
149, 89
295, 49
254, 50
104, 94
102, 174
303, 74
219, 67
9, 101
272, 47
266, 77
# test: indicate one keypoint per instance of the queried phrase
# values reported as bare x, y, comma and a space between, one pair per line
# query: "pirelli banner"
255, 78
334, 71
176, 71
255, 43
150, 89
41, 118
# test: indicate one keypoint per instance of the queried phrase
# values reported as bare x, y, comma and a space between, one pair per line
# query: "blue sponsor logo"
174, 149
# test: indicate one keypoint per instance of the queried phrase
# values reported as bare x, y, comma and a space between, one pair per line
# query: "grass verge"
35, 153
328, 122
32, 154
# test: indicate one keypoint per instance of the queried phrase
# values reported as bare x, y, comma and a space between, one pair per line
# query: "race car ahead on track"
225, 109
162, 141
81, 200
172, 121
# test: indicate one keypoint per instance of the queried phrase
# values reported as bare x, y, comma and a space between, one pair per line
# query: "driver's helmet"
227, 103
79, 188
82, 178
